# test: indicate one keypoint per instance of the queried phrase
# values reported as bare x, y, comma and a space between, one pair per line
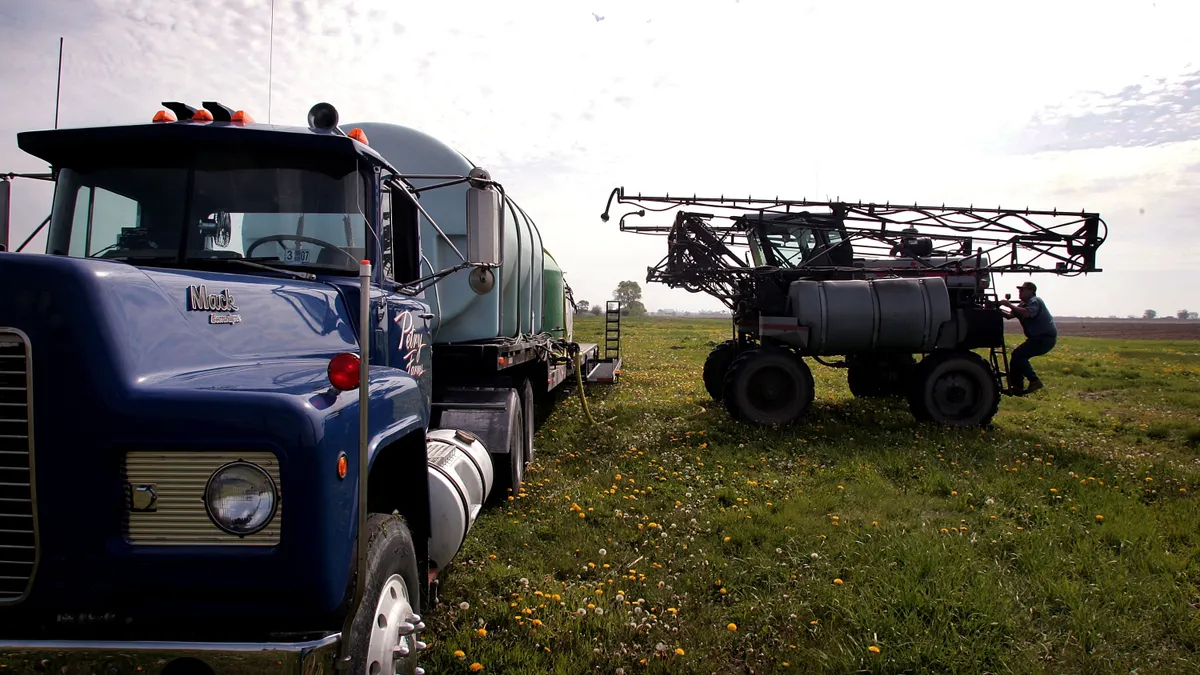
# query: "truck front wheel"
385, 633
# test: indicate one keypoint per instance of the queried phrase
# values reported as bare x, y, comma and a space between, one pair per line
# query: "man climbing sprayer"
1040, 336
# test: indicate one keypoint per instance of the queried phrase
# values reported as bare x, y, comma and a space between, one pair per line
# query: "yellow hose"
582, 396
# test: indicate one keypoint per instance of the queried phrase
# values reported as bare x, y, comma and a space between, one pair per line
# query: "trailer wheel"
954, 388
511, 477
716, 365
385, 633
769, 386
526, 392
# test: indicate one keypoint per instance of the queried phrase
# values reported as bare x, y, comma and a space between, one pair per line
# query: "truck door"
406, 316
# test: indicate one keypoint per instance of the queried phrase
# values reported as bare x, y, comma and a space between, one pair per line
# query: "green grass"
956, 550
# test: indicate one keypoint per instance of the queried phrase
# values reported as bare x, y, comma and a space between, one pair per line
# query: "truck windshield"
288, 210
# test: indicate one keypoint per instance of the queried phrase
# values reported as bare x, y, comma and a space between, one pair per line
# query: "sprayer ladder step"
612, 329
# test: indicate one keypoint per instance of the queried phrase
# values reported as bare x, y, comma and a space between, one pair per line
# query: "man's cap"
1030, 285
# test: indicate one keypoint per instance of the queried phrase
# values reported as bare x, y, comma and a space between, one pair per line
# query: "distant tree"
1182, 314
582, 307
596, 310
1193, 315
633, 308
1150, 314
627, 292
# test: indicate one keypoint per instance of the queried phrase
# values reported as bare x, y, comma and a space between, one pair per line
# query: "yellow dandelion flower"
482, 632
459, 654
1099, 517
679, 651
476, 667
873, 649
839, 582
732, 626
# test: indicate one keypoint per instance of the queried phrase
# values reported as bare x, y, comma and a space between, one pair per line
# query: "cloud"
759, 98
1160, 111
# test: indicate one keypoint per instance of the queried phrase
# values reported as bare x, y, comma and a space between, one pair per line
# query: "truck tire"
769, 386
716, 365
526, 392
954, 388
509, 468
391, 602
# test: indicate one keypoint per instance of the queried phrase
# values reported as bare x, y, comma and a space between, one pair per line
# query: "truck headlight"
240, 498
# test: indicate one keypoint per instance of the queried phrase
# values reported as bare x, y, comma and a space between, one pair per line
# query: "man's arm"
1017, 310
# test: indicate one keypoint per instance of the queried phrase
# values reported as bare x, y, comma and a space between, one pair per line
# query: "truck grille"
18, 531
179, 518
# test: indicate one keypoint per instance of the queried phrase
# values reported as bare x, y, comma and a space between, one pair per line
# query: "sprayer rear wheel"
769, 386
716, 365
954, 388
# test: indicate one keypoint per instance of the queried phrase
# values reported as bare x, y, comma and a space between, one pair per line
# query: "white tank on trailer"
514, 306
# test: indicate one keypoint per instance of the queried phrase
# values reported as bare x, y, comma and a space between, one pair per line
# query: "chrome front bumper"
314, 657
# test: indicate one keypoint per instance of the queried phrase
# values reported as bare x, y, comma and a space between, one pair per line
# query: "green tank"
556, 313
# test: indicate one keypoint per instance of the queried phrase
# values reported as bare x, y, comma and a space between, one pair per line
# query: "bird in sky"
597, 16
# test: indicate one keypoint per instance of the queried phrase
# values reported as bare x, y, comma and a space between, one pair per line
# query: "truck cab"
216, 393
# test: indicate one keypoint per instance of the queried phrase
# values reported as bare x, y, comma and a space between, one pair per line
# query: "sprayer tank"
858, 316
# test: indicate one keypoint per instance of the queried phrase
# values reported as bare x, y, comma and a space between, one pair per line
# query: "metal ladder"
999, 355
612, 329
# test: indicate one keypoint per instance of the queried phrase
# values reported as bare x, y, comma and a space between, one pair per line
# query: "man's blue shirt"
1039, 323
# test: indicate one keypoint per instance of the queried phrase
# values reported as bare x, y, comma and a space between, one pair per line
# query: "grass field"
669, 539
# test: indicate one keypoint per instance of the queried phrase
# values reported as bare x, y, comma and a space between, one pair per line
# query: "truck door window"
100, 219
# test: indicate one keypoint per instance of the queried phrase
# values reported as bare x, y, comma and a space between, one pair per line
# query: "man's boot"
1034, 385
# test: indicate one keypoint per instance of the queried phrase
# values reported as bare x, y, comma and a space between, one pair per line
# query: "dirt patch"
1122, 329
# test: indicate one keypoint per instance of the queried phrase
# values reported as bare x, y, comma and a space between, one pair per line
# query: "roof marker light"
202, 115
165, 116
358, 135
242, 117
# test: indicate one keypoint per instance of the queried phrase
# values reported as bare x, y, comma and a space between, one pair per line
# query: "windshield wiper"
308, 276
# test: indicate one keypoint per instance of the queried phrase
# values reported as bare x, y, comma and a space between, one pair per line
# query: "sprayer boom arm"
1011, 240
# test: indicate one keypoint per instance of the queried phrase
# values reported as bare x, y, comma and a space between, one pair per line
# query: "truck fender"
482, 411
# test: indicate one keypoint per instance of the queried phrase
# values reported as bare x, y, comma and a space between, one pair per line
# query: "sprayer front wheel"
954, 388
716, 365
385, 636
768, 386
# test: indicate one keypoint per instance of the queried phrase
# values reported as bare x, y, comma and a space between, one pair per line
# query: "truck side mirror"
5, 191
484, 220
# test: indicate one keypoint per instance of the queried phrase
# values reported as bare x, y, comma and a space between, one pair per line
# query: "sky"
1070, 105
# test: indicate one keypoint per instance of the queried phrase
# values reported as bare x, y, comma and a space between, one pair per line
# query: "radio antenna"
270, 61
58, 87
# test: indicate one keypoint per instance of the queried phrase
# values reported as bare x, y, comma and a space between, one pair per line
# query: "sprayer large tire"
716, 365
391, 589
954, 388
768, 386
509, 468
526, 392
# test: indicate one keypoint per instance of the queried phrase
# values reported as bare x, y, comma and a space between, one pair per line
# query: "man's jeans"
1020, 367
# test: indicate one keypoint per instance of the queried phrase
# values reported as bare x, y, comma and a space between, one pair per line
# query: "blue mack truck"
257, 390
